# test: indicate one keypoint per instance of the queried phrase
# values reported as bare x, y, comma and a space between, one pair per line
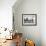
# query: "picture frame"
29, 19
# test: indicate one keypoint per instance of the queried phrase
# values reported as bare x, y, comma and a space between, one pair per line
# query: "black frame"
30, 24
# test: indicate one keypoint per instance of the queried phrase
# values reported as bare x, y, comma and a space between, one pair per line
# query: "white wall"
28, 7
43, 22
37, 33
6, 13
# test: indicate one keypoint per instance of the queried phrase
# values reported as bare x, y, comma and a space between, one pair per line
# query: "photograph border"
30, 24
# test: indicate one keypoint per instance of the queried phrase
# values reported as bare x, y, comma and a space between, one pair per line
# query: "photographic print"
29, 19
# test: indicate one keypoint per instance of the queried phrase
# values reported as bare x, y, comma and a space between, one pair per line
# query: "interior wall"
6, 13
28, 7
43, 22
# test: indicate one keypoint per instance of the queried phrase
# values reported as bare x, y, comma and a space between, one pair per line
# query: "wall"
43, 22
6, 13
28, 7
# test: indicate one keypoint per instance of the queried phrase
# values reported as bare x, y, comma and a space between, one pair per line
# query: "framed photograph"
29, 19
